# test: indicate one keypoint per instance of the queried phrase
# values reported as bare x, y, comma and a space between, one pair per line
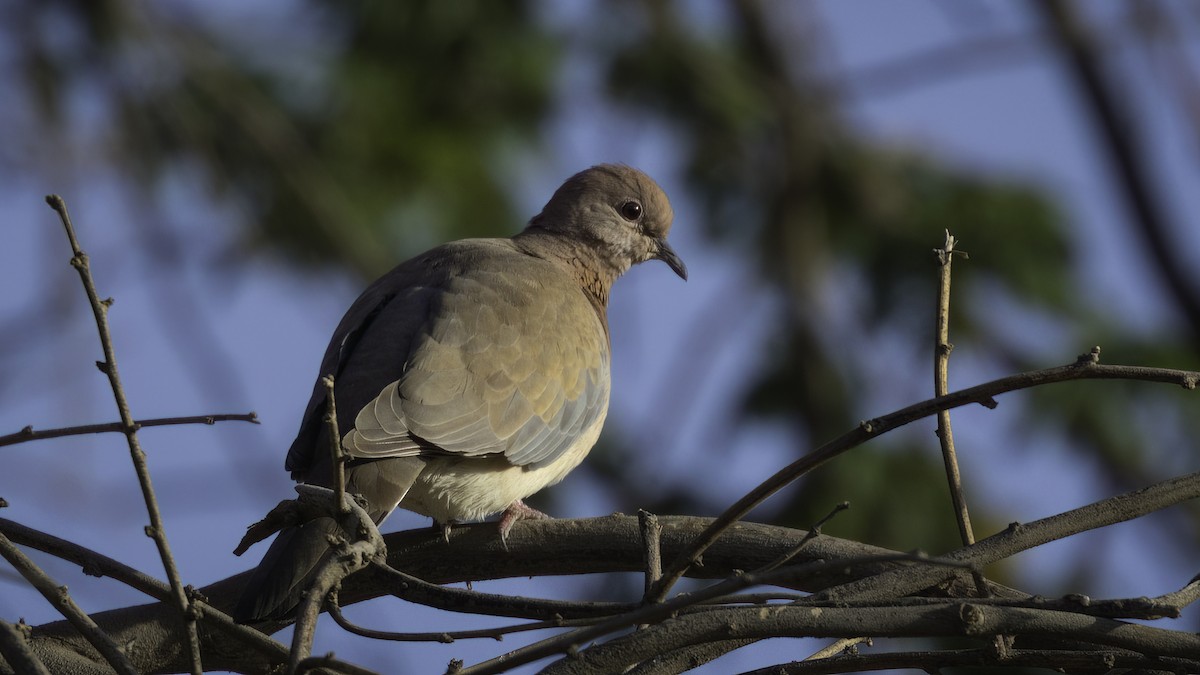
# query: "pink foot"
517, 511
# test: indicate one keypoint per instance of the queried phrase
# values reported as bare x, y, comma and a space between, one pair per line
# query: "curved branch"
1086, 367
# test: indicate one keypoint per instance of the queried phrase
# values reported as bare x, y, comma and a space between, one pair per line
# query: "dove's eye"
631, 211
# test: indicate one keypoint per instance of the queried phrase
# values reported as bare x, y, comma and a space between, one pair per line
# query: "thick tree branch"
474, 552
946, 619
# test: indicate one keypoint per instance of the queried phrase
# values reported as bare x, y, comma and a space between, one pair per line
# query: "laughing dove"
473, 375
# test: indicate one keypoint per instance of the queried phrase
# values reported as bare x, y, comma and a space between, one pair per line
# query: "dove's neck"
593, 271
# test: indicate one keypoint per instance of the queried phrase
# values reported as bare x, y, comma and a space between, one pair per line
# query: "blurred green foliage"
398, 126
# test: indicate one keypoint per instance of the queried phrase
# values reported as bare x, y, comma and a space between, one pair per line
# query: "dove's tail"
276, 586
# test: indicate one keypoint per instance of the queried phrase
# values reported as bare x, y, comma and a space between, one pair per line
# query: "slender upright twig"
941, 367
79, 260
57, 596
335, 447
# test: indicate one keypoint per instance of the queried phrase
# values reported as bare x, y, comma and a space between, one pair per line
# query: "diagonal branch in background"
79, 260
30, 434
1112, 117
1086, 367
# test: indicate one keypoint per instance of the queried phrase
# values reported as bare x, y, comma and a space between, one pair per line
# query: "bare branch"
408, 587
1087, 367
14, 648
651, 538
29, 434
1099, 661
93, 563
649, 614
108, 366
328, 662
950, 618
58, 598
1019, 537
447, 637
335, 448
941, 387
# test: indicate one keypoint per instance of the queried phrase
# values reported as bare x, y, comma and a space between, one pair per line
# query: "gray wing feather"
510, 358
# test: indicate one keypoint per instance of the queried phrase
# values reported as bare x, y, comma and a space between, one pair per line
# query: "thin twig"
1182, 597
1099, 660
92, 563
957, 617
15, 651
416, 590
813, 533
1084, 368
836, 648
1169, 606
58, 598
108, 366
335, 447
652, 541
941, 368
1020, 537
447, 637
29, 434
330, 663
941, 376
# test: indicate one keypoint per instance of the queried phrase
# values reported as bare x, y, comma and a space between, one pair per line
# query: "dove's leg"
517, 511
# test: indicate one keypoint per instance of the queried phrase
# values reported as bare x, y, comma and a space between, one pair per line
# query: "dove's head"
617, 210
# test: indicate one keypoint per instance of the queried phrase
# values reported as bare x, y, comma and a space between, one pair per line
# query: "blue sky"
268, 325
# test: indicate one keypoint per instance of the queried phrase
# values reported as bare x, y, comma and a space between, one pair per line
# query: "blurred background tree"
244, 170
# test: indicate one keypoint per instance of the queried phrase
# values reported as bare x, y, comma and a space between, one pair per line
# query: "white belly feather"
452, 489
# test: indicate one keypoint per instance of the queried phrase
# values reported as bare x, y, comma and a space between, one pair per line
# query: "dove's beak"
669, 256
